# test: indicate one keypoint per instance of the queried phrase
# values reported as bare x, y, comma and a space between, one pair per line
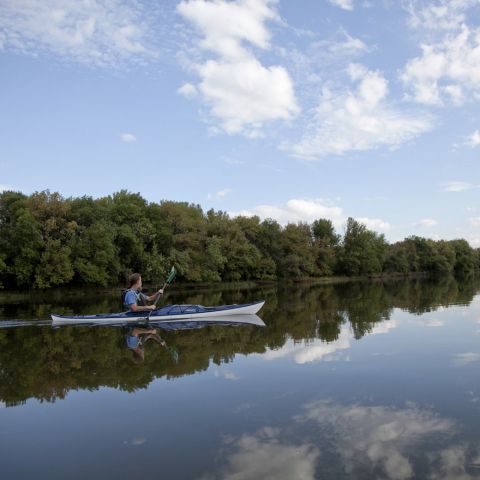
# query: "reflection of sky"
390, 443
316, 350
377, 435
461, 359
319, 350
264, 456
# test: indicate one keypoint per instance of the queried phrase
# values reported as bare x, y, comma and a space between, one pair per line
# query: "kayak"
169, 313
184, 324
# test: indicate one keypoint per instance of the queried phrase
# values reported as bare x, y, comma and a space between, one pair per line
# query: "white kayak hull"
178, 313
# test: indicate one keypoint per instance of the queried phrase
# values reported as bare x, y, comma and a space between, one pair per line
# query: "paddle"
168, 281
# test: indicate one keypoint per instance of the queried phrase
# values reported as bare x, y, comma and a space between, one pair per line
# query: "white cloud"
474, 139
426, 222
307, 210
4, 188
343, 4
475, 221
357, 120
240, 93
219, 194
374, 223
456, 186
350, 45
105, 33
297, 210
188, 90
128, 137
438, 15
474, 241
448, 69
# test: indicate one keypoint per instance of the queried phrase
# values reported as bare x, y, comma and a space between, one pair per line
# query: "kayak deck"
167, 313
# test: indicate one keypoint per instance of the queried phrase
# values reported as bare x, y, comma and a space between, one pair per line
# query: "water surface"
359, 380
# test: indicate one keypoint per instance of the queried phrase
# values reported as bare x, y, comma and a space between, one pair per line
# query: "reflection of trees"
45, 363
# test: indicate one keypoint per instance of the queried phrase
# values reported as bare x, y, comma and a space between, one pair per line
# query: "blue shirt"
130, 297
133, 341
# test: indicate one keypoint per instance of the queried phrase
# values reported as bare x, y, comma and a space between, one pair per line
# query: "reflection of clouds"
227, 374
461, 359
384, 327
434, 322
454, 462
136, 441
356, 441
263, 456
314, 351
378, 435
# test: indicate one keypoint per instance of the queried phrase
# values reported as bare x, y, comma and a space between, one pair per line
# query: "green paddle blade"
171, 275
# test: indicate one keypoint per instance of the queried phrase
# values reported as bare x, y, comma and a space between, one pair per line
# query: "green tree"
363, 251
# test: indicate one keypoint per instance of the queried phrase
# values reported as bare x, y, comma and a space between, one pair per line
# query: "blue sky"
293, 110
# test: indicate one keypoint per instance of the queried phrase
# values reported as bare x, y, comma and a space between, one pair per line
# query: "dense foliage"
47, 240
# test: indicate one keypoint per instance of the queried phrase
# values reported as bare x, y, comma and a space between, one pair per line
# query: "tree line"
47, 240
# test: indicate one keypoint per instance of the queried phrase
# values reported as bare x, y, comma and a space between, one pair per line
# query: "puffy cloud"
297, 210
374, 223
474, 139
357, 120
426, 222
128, 137
188, 90
103, 33
475, 221
448, 69
307, 210
241, 93
343, 4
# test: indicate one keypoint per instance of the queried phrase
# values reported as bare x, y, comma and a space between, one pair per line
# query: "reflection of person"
133, 298
136, 339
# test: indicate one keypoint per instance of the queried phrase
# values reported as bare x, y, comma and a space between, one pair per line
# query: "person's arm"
155, 296
141, 308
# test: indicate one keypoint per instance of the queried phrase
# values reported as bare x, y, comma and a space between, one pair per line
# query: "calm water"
360, 380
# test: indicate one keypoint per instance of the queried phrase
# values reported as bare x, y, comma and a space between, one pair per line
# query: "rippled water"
358, 380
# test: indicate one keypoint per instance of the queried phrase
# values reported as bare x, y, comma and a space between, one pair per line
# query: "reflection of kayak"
169, 313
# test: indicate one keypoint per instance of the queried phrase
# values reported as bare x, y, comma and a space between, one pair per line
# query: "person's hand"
152, 307
160, 291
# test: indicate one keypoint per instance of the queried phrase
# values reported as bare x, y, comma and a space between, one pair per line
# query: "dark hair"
133, 279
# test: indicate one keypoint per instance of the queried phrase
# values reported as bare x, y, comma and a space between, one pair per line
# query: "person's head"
135, 281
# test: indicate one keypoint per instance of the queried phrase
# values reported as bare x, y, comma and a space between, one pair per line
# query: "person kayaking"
133, 297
